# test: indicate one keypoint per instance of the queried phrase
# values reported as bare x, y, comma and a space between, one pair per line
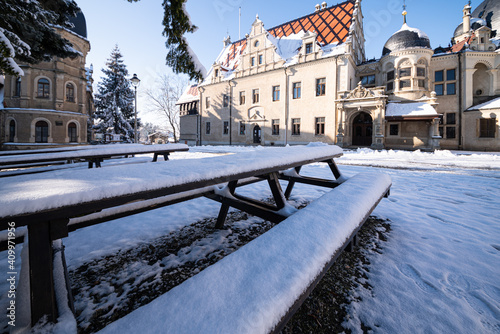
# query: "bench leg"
334, 169
155, 157
290, 185
275, 186
221, 219
165, 157
42, 294
41, 264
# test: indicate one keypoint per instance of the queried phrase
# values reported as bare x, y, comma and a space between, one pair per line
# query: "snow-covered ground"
440, 269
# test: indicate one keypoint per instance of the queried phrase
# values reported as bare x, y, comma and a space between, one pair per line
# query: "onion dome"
489, 11
475, 24
80, 25
406, 38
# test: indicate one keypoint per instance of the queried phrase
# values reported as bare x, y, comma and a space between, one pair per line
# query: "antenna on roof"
404, 10
239, 25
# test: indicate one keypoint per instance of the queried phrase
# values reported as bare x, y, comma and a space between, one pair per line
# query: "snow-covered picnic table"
92, 154
46, 202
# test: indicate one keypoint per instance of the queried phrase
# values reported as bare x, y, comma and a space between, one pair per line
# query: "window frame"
43, 88
275, 127
73, 133
207, 128
392, 127
319, 126
309, 48
255, 96
243, 128
207, 102
321, 86
297, 90
295, 126
242, 97
488, 130
41, 132
276, 93
225, 128
70, 92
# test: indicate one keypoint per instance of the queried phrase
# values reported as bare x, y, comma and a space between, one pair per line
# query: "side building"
308, 80
50, 105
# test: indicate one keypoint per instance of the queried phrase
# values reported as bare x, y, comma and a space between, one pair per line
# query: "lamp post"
135, 82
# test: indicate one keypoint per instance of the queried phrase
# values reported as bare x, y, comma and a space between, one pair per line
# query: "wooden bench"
52, 207
94, 155
258, 288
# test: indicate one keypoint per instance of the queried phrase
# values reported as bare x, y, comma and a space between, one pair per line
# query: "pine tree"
114, 101
27, 32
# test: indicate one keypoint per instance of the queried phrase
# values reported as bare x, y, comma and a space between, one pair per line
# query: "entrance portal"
362, 130
256, 135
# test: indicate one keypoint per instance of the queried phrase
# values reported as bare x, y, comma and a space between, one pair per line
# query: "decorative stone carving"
360, 92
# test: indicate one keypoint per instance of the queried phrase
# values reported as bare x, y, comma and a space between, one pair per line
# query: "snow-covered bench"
257, 288
48, 203
94, 155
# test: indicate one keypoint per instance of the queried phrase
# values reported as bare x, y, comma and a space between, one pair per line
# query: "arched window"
70, 92
72, 134
12, 131
43, 88
17, 87
41, 132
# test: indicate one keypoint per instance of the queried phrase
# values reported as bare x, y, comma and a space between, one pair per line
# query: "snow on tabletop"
95, 150
250, 290
36, 192
410, 109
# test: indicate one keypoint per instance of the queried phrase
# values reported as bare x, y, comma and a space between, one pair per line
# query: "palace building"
51, 104
309, 80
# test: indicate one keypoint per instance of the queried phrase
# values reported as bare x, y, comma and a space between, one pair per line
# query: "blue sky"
136, 27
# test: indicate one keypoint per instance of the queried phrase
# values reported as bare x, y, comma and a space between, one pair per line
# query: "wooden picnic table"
46, 202
94, 155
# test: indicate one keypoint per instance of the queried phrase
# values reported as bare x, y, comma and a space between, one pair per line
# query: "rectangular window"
368, 80
261, 59
487, 128
17, 90
439, 89
421, 83
450, 132
225, 128
276, 127
320, 87
276, 93
405, 72
207, 102
225, 100
309, 47
242, 98
295, 126
43, 88
450, 75
207, 128
451, 89
390, 86
420, 71
297, 90
320, 126
255, 96
252, 60
404, 84
450, 118
242, 128
394, 129
438, 76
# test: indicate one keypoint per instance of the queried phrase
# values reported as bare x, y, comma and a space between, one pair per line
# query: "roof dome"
406, 38
475, 24
489, 10
80, 25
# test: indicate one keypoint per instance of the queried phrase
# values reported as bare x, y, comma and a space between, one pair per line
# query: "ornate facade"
309, 80
49, 105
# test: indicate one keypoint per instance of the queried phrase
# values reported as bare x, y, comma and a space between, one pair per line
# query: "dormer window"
309, 47
261, 59
216, 73
252, 61
390, 80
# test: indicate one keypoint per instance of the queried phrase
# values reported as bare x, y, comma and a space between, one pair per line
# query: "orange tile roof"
460, 46
332, 25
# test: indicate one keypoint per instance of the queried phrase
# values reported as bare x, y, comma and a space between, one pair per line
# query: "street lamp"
135, 82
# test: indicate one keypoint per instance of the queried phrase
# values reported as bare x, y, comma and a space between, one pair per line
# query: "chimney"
467, 15
317, 8
323, 5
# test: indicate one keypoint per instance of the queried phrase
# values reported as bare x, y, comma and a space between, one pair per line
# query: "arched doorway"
362, 130
257, 135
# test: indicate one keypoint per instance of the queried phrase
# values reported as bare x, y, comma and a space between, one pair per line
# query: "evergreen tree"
27, 32
114, 101
176, 23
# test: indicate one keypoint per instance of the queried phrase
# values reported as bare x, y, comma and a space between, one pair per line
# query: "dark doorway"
256, 135
362, 130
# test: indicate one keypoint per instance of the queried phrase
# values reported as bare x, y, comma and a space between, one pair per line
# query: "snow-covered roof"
189, 95
492, 104
415, 109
